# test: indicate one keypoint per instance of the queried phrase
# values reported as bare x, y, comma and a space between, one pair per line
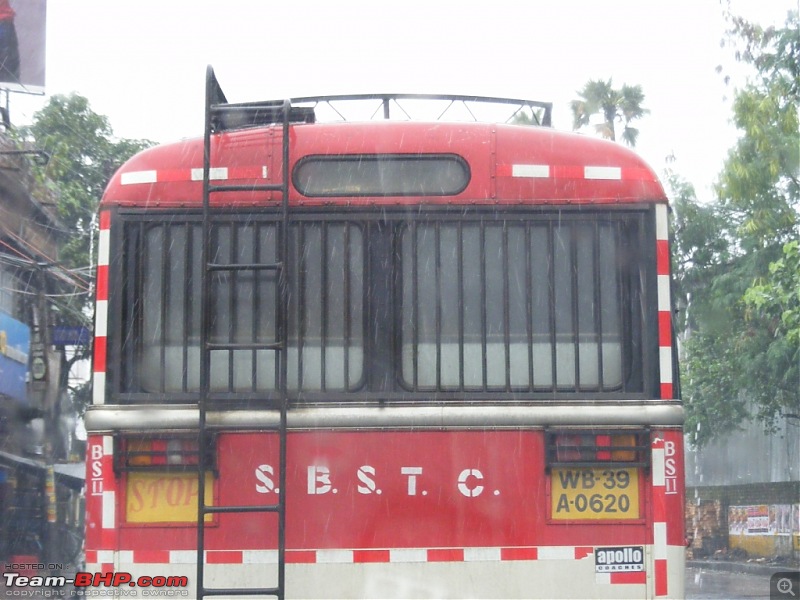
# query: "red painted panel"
638, 577
489, 150
380, 490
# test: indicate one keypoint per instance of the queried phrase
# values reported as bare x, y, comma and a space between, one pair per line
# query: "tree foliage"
737, 268
83, 155
616, 106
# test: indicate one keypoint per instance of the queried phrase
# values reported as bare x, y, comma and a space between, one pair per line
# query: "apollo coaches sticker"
620, 558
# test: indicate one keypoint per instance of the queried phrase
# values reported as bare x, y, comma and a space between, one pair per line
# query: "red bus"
385, 358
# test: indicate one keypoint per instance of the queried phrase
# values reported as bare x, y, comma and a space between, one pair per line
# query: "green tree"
740, 272
616, 106
83, 155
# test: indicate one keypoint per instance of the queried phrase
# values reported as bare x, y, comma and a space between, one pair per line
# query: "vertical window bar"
323, 255
506, 306
529, 302
165, 291
301, 299
576, 332
437, 240
649, 362
282, 314
623, 293
346, 306
551, 276
233, 249
414, 307
484, 315
598, 298
460, 258
136, 306
254, 322
187, 307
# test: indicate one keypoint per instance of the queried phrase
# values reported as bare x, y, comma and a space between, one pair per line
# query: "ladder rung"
242, 592
245, 266
251, 508
267, 187
276, 346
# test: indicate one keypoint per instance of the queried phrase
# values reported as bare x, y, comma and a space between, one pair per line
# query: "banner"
22, 45
15, 341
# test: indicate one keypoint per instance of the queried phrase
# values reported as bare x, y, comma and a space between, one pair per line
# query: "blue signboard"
71, 336
15, 343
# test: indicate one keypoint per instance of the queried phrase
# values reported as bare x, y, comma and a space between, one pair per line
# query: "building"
31, 386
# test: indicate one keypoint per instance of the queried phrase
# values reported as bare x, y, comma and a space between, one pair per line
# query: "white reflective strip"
103, 247
557, 553
126, 557
101, 319
665, 363
602, 578
264, 172
138, 177
659, 478
334, 556
108, 520
533, 171
408, 555
183, 557
602, 172
259, 557
108, 445
659, 541
662, 222
663, 292
105, 556
99, 388
215, 173
479, 554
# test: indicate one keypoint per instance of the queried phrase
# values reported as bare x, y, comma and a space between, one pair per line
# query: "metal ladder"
219, 116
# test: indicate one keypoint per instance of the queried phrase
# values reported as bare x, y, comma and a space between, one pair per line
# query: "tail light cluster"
590, 448
178, 453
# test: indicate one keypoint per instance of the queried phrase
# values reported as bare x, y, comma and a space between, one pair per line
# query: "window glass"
325, 324
381, 175
509, 305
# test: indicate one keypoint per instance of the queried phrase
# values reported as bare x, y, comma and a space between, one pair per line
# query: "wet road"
720, 585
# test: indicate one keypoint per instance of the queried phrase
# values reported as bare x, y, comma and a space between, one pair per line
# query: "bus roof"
507, 164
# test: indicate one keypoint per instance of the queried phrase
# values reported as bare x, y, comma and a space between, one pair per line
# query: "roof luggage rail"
230, 116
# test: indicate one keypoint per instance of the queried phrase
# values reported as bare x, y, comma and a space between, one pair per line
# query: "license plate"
594, 494
157, 497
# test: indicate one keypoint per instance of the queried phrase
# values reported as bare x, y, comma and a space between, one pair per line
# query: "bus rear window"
161, 307
513, 306
382, 175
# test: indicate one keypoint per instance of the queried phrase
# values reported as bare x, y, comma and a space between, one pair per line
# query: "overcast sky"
142, 62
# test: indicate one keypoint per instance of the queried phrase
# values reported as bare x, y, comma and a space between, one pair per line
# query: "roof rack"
381, 106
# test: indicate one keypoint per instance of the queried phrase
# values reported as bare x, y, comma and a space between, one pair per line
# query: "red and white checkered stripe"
594, 172
358, 556
664, 302
102, 488
103, 559
177, 175
523, 171
101, 309
101, 500
659, 517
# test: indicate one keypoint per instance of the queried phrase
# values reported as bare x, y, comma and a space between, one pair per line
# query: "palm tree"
622, 105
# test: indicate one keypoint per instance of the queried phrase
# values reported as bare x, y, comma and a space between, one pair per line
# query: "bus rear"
386, 359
